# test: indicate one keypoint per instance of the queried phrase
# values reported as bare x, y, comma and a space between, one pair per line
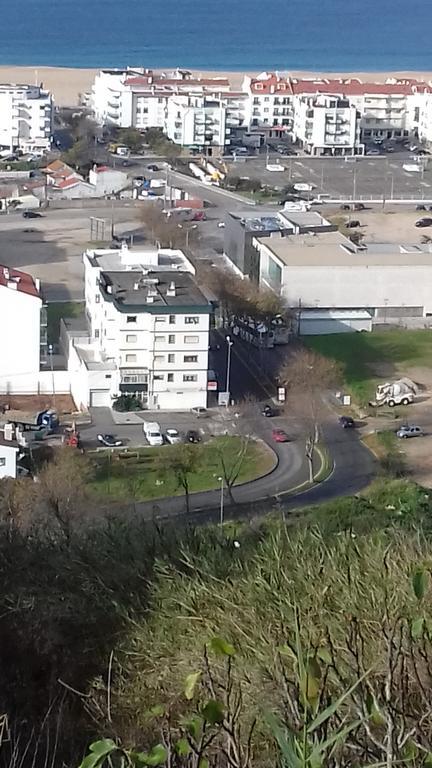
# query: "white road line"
424, 184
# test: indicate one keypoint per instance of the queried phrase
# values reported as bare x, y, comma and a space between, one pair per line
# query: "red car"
279, 436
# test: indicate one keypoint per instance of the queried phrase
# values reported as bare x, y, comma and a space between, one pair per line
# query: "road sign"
212, 386
281, 394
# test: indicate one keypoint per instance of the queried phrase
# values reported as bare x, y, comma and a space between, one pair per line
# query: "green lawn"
360, 352
137, 478
55, 311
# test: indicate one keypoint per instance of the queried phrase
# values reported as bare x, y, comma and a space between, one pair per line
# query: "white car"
153, 433
173, 436
409, 431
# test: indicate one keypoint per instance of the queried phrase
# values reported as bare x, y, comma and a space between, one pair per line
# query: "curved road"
354, 468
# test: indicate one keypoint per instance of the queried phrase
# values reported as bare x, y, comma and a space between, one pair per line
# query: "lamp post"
221, 514
188, 229
50, 352
228, 372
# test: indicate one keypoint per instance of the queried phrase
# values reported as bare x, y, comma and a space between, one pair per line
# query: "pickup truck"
29, 419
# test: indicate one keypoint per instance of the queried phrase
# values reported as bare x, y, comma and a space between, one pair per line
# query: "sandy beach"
67, 83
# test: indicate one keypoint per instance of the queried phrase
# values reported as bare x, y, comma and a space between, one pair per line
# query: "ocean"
240, 35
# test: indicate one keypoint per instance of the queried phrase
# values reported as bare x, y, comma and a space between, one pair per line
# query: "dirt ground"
64, 404
394, 225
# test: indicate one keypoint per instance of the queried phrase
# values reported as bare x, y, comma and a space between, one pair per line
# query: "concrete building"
22, 323
327, 125
8, 461
242, 227
107, 181
327, 271
26, 115
147, 331
269, 105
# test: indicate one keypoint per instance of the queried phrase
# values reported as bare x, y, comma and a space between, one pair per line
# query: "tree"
62, 489
231, 463
81, 154
306, 376
164, 230
131, 138
181, 461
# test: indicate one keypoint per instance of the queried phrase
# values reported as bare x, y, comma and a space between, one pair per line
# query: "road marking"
424, 184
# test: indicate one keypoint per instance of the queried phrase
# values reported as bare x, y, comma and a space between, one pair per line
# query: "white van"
153, 433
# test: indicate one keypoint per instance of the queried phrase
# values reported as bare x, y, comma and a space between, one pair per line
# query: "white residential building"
8, 460
326, 271
26, 114
327, 125
148, 331
22, 323
269, 105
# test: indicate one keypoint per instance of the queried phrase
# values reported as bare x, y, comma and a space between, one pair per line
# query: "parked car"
109, 441
420, 207
279, 435
192, 436
373, 151
345, 207
409, 431
31, 215
152, 167
346, 422
173, 436
425, 222
153, 433
199, 411
353, 223
268, 411
359, 207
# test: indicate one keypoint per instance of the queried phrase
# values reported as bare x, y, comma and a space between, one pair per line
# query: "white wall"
8, 456
358, 286
19, 332
38, 383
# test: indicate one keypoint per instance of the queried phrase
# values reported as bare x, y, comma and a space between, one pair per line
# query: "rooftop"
272, 82
305, 218
153, 291
19, 281
332, 249
138, 259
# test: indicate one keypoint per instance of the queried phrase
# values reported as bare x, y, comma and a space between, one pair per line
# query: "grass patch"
358, 352
56, 310
387, 448
137, 478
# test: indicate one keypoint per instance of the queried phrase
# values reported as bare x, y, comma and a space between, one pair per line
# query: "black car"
420, 207
192, 436
425, 222
152, 167
359, 207
352, 224
31, 215
268, 411
346, 422
344, 207
109, 441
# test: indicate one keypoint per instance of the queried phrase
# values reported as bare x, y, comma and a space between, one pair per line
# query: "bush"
127, 403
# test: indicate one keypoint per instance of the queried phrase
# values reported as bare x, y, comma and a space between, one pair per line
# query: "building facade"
327, 125
22, 323
147, 331
26, 118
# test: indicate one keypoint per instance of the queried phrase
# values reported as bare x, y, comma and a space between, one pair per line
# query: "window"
191, 339
131, 358
266, 98
190, 377
97, 299
131, 318
191, 320
171, 339
159, 358
131, 338
172, 319
266, 109
97, 333
161, 319
171, 358
170, 377
160, 339
158, 377
2, 461
190, 359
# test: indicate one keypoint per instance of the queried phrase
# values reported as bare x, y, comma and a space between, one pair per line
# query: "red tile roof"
273, 83
68, 183
24, 282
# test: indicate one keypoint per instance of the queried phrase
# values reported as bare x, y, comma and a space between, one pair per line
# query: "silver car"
410, 431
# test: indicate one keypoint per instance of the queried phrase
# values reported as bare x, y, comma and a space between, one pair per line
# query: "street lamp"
221, 515
227, 388
50, 352
188, 229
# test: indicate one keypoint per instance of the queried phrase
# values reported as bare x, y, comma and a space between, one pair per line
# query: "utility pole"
227, 388
221, 513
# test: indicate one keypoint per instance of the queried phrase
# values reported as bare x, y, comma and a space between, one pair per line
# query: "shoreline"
66, 83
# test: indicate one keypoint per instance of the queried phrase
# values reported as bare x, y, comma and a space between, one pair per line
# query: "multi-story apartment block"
22, 323
327, 125
269, 104
147, 331
26, 113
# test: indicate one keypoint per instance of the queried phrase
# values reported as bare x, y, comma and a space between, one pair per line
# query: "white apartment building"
326, 271
8, 460
269, 105
327, 125
26, 114
22, 323
148, 331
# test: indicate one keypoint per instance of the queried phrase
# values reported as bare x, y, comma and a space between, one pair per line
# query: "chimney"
12, 284
171, 290
109, 289
6, 273
136, 286
150, 299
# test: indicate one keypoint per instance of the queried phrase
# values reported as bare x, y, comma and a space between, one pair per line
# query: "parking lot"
368, 177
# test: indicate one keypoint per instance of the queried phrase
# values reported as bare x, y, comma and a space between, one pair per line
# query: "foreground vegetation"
364, 355
301, 643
